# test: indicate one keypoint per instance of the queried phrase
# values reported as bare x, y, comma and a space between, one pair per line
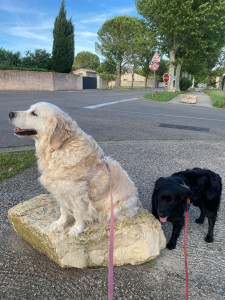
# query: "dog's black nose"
11, 114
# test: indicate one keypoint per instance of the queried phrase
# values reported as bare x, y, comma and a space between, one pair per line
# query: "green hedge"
185, 83
24, 69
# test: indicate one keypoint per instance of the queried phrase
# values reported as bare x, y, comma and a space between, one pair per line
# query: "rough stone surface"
136, 240
192, 99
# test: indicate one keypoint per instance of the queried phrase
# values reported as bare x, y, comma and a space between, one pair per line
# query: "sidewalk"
27, 274
203, 100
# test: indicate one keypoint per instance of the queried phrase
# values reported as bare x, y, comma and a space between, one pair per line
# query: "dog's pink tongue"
163, 220
16, 129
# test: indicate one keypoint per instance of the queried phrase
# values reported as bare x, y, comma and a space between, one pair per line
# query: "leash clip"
106, 163
188, 204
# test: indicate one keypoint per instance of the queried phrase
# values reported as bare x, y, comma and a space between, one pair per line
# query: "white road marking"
109, 103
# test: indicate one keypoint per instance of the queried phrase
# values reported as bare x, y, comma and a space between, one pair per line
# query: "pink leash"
111, 239
185, 247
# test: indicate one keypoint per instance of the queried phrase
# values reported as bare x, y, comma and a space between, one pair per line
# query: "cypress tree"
63, 43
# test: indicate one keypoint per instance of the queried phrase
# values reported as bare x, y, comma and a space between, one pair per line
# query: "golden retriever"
73, 169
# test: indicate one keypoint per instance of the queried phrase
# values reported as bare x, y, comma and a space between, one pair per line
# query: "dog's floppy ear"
159, 182
185, 192
60, 132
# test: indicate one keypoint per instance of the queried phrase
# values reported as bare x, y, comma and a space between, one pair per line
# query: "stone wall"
102, 83
15, 80
150, 83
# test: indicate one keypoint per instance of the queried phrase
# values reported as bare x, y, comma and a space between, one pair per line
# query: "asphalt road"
138, 119
129, 132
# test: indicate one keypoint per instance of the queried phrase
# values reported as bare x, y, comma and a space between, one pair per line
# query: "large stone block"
192, 99
136, 240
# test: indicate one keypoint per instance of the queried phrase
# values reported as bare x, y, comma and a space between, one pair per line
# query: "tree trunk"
224, 85
132, 80
171, 70
119, 73
220, 83
193, 82
209, 77
177, 80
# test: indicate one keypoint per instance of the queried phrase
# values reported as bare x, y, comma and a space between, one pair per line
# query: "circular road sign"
154, 66
166, 77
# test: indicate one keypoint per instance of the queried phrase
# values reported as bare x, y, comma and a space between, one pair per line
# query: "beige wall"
38, 81
128, 77
150, 83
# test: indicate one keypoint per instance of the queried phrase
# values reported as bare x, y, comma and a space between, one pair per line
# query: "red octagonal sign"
166, 77
154, 66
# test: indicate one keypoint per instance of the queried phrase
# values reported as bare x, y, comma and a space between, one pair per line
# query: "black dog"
170, 195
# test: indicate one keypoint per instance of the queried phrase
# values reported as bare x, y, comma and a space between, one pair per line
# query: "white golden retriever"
73, 169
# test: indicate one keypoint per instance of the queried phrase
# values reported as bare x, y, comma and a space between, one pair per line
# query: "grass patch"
163, 96
150, 265
12, 163
217, 98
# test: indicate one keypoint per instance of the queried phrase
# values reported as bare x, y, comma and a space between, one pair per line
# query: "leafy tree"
114, 37
63, 43
219, 70
86, 60
107, 69
134, 46
39, 59
9, 59
141, 48
187, 22
163, 68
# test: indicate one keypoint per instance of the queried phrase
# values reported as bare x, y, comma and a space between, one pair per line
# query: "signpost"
154, 67
155, 64
166, 78
156, 57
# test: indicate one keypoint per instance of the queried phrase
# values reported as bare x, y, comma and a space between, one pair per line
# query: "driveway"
147, 151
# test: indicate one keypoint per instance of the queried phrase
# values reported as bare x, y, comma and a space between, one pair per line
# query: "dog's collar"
106, 162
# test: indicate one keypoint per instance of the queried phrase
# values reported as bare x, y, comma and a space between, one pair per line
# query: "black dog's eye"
34, 113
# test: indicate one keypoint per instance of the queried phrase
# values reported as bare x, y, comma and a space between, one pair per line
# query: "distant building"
218, 82
85, 73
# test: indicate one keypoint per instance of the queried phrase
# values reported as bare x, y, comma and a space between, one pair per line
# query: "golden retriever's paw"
56, 227
75, 231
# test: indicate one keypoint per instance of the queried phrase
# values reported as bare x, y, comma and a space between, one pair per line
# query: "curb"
16, 149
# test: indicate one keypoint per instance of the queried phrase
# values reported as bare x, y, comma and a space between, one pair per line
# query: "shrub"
24, 69
185, 83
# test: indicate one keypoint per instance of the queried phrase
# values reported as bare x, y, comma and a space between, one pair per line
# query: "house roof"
85, 70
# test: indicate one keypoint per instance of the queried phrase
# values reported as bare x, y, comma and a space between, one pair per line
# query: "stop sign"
166, 77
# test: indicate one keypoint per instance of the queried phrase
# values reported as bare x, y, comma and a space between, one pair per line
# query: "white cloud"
99, 19
109, 14
28, 32
11, 8
86, 33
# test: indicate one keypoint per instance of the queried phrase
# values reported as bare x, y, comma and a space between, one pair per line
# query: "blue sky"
28, 24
